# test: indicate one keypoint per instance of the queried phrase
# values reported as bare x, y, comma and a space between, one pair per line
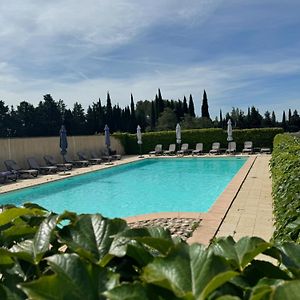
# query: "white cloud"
224, 80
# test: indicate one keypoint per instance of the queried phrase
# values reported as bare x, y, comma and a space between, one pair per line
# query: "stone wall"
19, 149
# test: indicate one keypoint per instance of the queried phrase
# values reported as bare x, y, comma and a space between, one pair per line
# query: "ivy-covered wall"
285, 169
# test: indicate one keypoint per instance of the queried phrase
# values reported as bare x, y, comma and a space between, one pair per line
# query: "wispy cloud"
242, 53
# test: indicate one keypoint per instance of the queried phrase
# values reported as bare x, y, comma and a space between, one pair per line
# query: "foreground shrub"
44, 255
285, 169
261, 137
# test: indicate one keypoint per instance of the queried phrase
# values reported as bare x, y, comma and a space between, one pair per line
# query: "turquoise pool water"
148, 186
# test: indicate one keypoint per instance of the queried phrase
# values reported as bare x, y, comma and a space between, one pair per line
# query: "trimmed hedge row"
285, 169
261, 137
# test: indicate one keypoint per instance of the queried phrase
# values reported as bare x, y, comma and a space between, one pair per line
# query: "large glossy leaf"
135, 291
188, 271
141, 244
241, 253
123, 246
8, 294
73, 279
276, 290
291, 257
91, 235
9, 215
33, 250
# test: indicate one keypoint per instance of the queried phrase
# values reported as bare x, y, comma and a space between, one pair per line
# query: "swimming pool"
147, 186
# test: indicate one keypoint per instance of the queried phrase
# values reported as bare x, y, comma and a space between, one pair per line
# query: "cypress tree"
273, 119
283, 123
160, 103
204, 107
191, 107
132, 115
108, 117
153, 116
184, 106
221, 119
290, 115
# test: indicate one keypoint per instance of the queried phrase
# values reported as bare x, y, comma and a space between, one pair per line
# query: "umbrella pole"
141, 156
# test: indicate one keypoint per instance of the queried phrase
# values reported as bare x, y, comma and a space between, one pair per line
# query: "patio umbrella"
107, 136
178, 134
139, 138
229, 131
63, 142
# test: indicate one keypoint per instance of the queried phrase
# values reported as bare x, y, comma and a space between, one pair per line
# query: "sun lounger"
50, 161
265, 150
157, 151
184, 149
33, 164
77, 163
83, 156
198, 150
8, 175
171, 151
231, 148
104, 155
248, 147
215, 149
11, 165
114, 155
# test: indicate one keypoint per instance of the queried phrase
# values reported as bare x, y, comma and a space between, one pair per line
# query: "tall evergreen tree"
153, 116
221, 119
273, 119
133, 124
48, 117
108, 113
283, 123
191, 107
79, 121
184, 106
290, 115
204, 107
160, 102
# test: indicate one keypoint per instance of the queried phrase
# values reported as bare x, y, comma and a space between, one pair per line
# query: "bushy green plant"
261, 137
285, 169
44, 255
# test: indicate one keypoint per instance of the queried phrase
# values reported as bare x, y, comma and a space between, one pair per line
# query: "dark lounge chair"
8, 175
50, 161
33, 164
231, 148
157, 150
11, 165
83, 156
104, 155
248, 147
77, 163
171, 151
215, 149
184, 149
198, 150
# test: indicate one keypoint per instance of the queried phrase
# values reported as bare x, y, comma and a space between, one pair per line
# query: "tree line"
46, 118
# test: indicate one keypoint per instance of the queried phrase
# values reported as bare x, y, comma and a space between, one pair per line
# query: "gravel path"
181, 227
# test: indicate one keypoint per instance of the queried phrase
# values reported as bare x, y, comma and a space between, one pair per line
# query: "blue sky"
242, 53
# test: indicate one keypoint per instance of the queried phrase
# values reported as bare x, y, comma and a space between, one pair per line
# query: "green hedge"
285, 169
48, 256
261, 138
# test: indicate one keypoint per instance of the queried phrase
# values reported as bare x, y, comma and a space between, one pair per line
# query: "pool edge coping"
213, 219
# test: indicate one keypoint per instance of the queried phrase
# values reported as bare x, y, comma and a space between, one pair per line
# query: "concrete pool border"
210, 222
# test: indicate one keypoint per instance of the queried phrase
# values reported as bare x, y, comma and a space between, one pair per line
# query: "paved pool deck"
243, 209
